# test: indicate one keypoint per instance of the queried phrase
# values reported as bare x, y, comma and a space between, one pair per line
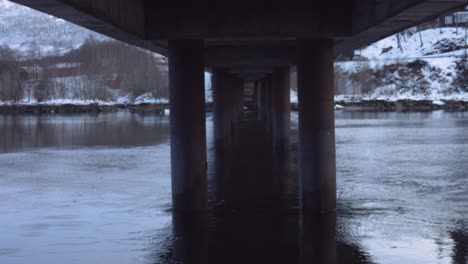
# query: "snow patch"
293, 96
148, 98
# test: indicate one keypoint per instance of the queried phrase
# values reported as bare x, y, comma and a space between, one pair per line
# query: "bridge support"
258, 98
281, 109
317, 168
262, 104
188, 132
236, 91
222, 109
269, 105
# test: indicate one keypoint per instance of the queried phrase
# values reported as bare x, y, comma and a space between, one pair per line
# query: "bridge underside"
243, 41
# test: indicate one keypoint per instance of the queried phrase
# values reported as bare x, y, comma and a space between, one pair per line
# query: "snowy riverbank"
432, 66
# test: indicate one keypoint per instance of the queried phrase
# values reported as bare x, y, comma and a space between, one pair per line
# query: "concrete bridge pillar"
240, 98
263, 93
187, 123
281, 107
317, 168
269, 104
222, 107
258, 96
236, 88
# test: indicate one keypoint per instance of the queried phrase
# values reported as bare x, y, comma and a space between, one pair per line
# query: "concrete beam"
250, 77
249, 56
210, 19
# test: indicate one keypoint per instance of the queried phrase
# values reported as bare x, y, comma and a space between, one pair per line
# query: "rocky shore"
79, 109
363, 105
145, 108
404, 105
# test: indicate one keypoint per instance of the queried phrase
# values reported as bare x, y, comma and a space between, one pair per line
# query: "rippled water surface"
96, 189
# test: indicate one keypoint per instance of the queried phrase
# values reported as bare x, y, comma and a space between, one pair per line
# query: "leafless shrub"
11, 88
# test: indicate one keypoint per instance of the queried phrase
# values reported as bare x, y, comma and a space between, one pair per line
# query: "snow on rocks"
148, 98
432, 71
436, 42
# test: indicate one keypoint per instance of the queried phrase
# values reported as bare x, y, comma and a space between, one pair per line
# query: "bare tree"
399, 42
420, 37
11, 88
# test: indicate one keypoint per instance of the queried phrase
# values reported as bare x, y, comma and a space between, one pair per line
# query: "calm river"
96, 189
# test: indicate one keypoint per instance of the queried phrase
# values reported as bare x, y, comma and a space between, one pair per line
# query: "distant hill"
28, 31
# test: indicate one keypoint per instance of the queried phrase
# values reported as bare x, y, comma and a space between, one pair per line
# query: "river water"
96, 189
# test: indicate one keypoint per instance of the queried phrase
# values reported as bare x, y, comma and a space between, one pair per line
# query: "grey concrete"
281, 109
269, 105
258, 98
236, 103
317, 169
187, 122
263, 104
222, 116
228, 107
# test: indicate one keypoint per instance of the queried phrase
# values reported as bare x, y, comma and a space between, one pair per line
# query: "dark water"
96, 189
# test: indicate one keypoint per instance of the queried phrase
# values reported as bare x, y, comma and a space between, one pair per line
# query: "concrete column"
258, 98
263, 98
237, 108
269, 104
241, 99
222, 108
317, 168
187, 123
281, 107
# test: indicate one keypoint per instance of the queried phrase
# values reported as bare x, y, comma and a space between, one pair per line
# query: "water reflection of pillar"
190, 242
317, 239
460, 248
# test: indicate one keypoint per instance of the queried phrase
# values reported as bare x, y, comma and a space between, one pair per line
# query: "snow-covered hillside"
27, 31
435, 42
431, 65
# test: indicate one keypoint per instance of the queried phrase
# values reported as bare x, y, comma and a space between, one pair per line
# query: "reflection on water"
121, 129
96, 189
460, 245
